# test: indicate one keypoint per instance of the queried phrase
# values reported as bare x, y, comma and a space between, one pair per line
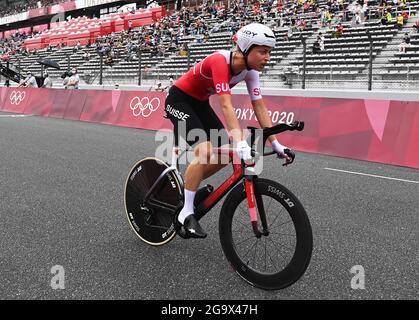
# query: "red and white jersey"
213, 75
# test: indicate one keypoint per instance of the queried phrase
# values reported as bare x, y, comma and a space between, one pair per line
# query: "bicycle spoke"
277, 249
269, 205
244, 240
256, 252
280, 224
245, 226
282, 246
273, 262
270, 257
248, 253
242, 210
253, 250
286, 240
276, 217
265, 254
285, 234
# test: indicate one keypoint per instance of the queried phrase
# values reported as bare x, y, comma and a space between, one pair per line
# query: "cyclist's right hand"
243, 150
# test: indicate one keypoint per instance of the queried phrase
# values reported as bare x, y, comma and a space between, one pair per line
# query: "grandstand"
98, 43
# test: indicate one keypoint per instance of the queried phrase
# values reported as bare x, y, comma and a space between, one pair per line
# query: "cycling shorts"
187, 113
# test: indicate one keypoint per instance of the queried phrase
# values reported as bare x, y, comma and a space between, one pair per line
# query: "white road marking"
13, 115
371, 175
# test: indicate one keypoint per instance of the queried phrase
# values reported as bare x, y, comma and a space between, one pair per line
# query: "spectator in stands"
65, 78
389, 17
337, 18
406, 40
334, 7
383, 19
206, 37
365, 10
47, 81
184, 51
405, 15
73, 81
339, 31
405, 44
358, 18
318, 44
171, 81
29, 82
159, 87
321, 41
147, 69
129, 26
77, 47
400, 21
161, 51
19, 7
288, 34
109, 60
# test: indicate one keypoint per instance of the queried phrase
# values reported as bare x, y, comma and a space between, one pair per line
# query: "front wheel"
278, 259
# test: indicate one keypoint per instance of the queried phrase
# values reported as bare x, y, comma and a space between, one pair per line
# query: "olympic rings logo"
16, 97
144, 107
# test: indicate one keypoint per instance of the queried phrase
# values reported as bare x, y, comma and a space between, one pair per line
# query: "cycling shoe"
192, 228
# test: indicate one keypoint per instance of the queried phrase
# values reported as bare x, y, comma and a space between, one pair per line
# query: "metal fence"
393, 65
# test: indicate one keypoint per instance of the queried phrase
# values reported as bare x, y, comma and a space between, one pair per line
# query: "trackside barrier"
374, 130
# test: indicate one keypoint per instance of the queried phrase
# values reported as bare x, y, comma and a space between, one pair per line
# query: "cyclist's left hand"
283, 152
289, 156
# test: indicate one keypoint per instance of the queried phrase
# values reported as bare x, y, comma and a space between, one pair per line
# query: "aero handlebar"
282, 127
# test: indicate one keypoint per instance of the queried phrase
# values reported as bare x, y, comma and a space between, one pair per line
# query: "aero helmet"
254, 34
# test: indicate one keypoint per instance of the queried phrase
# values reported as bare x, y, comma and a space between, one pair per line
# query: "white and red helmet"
254, 34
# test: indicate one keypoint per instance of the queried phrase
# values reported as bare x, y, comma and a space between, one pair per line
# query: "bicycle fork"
255, 204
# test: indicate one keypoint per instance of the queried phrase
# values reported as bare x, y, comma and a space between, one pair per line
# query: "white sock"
188, 207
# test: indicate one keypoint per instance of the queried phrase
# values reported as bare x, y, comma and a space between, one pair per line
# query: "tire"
152, 225
237, 244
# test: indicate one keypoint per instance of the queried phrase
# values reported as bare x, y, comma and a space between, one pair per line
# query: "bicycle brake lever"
291, 155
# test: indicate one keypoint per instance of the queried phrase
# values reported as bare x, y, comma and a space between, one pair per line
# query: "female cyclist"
188, 104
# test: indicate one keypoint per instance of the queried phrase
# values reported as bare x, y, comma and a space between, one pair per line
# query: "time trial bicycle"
264, 230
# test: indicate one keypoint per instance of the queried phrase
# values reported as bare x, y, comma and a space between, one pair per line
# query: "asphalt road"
61, 191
